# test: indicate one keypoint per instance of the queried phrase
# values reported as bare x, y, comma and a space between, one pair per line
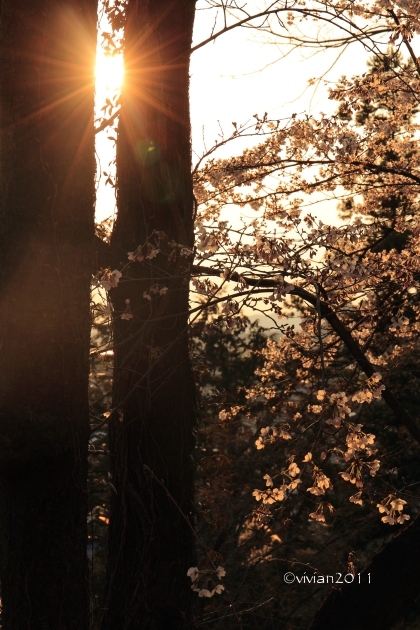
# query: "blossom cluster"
201, 578
270, 494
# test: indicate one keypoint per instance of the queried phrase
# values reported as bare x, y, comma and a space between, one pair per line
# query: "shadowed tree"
150, 434
46, 241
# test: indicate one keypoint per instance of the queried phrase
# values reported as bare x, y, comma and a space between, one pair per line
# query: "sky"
237, 76
243, 73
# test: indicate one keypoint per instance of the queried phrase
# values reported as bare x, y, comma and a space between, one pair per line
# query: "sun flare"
109, 72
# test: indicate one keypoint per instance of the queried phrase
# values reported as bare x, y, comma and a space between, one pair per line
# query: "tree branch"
345, 335
106, 123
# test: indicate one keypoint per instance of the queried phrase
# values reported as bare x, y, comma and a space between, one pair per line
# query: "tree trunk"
47, 167
389, 584
150, 432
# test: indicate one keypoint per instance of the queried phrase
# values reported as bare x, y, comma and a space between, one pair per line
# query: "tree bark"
47, 172
387, 587
150, 430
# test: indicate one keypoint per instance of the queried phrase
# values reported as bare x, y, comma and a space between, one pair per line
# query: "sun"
109, 73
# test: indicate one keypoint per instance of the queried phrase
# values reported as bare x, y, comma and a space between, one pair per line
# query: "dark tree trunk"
150, 539
47, 167
387, 587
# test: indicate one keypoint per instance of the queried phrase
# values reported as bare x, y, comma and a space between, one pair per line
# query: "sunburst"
109, 73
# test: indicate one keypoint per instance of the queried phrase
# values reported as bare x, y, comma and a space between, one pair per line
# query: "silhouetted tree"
46, 241
150, 434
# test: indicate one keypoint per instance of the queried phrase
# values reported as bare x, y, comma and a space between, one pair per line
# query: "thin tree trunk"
150, 433
46, 246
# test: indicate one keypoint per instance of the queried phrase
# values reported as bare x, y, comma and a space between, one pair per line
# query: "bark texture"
150, 434
47, 168
378, 604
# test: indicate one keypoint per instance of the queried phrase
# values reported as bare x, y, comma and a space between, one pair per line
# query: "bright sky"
240, 74
233, 78
109, 74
